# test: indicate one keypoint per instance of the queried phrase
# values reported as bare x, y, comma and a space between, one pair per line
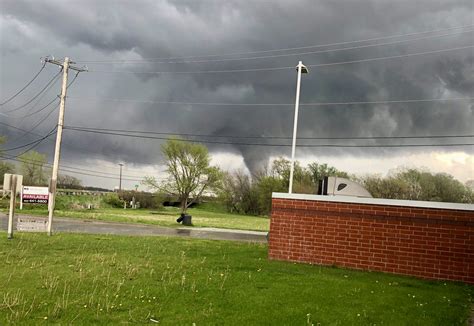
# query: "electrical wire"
24, 87
38, 143
285, 54
262, 136
49, 103
292, 48
389, 57
38, 94
40, 121
30, 143
65, 148
73, 169
274, 104
268, 145
14, 158
29, 113
282, 68
39, 110
47, 115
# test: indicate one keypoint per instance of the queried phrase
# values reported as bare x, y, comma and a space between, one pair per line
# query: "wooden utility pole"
66, 65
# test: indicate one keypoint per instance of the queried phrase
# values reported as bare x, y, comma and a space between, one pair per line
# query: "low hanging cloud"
111, 30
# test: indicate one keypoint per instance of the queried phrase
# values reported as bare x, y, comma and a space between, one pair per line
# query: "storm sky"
207, 36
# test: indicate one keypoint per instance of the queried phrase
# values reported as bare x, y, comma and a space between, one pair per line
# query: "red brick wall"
425, 242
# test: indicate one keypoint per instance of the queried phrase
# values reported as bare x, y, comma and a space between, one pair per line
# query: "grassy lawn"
86, 279
206, 215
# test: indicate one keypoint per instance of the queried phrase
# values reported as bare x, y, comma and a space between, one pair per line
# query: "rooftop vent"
335, 186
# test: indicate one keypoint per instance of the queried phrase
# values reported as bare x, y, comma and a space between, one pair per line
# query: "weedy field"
88, 279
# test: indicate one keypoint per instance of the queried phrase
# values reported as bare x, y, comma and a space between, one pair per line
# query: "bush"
415, 184
146, 199
113, 200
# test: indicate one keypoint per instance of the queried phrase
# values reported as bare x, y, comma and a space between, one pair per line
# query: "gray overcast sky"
132, 30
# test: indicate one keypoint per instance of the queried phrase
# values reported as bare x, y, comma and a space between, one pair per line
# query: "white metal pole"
21, 197
57, 151
295, 126
12, 206
120, 182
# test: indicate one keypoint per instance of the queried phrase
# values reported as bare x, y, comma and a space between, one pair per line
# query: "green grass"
205, 215
88, 280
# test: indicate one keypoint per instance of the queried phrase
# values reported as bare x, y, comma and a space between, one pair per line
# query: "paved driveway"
102, 227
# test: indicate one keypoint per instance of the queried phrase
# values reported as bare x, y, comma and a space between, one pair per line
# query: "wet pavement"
72, 225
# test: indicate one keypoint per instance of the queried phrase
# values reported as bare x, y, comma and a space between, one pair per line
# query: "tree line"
190, 177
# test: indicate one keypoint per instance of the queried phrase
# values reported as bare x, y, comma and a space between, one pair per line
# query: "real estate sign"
35, 195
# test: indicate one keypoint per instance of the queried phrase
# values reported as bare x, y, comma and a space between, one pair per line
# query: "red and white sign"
35, 195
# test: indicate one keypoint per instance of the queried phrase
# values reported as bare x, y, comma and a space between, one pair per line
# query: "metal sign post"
12, 182
12, 206
21, 198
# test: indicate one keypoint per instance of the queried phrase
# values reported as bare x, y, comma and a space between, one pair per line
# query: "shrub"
113, 200
146, 199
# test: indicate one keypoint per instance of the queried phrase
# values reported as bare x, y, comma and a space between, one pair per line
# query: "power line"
49, 103
39, 122
295, 48
46, 116
80, 149
13, 158
132, 176
282, 55
282, 68
100, 172
52, 132
24, 87
39, 110
190, 72
28, 113
28, 144
390, 57
38, 94
79, 128
13, 127
275, 104
70, 169
267, 145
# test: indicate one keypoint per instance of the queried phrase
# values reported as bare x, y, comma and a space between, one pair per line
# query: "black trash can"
185, 219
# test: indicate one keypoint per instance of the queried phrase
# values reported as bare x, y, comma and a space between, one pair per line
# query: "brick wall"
434, 243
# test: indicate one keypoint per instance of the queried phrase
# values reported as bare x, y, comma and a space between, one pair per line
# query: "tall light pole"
302, 69
120, 182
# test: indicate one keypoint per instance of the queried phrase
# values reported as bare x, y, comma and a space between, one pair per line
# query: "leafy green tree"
265, 186
418, 184
243, 194
318, 171
33, 168
302, 182
189, 172
389, 188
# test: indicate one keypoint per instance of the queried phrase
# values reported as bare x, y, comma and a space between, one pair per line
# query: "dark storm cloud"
149, 29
